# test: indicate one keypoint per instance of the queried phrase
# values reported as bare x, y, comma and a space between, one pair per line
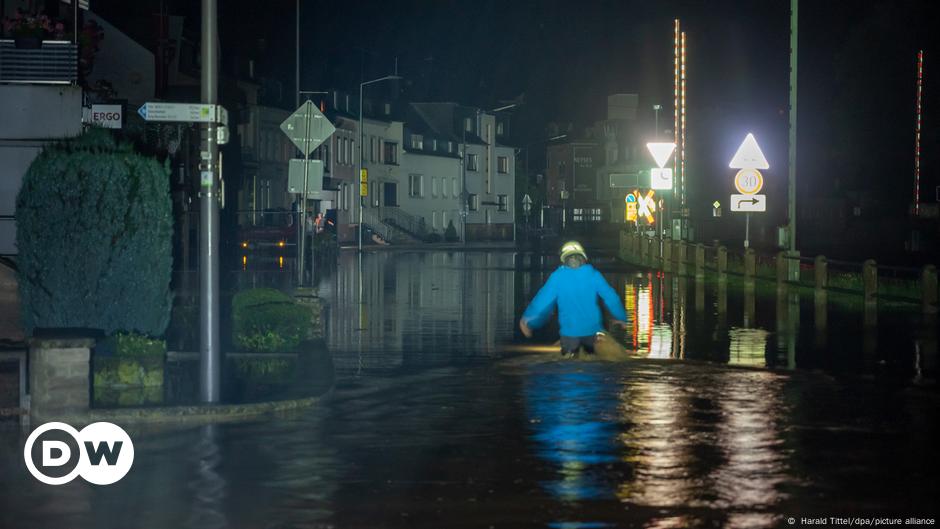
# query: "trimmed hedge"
265, 320
94, 230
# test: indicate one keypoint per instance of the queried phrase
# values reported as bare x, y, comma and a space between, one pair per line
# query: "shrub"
94, 227
450, 234
434, 237
268, 321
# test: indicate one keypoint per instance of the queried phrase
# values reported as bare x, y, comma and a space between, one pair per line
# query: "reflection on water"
530, 440
389, 309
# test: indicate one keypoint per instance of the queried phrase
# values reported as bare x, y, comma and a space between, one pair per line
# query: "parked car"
274, 229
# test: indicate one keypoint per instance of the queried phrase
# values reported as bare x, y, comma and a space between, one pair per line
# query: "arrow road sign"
749, 203
307, 128
526, 203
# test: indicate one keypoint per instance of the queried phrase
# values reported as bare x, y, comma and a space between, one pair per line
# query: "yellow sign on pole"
364, 183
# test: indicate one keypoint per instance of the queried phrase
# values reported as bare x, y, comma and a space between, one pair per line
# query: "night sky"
856, 65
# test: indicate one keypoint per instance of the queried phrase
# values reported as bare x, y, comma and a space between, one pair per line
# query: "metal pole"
359, 167
303, 197
297, 56
210, 355
791, 184
75, 21
747, 229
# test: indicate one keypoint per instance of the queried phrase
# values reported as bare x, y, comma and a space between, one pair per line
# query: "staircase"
406, 222
389, 232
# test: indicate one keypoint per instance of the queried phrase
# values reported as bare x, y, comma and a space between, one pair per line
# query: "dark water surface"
722, 418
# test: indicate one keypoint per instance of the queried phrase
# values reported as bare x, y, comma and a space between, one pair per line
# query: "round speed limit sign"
748, 181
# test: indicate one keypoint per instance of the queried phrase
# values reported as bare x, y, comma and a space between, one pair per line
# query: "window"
434, 145
594, 214
417, 141
500, 129
450, 147
444, 220
414, 186
346, 198
472, 162
434, 186
501, 202
374, 193
468, 124
577, 214
473, 202
349, 151
390, 153
372, 148
454, 183
502, 164
433, 220
341, 155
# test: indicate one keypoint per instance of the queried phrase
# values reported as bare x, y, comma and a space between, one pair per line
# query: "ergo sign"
101, 453
107, 116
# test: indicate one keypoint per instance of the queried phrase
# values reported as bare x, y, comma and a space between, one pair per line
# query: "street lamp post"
359, 158
656, 109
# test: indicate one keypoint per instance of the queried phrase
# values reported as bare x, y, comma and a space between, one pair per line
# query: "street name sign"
749, 155
749, 203
184, 112
748, 181
307, 128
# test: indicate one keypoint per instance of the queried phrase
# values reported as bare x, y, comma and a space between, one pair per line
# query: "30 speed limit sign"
748, 181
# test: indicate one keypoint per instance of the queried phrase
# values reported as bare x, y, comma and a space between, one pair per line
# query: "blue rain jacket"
575, 292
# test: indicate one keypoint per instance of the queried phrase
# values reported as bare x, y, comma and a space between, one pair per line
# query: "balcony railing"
56, 62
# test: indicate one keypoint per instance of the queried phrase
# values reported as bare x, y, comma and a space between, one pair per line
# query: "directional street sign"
748, 181
185, 112
661, 178
307, 128
749, 203
749, 155
526, 203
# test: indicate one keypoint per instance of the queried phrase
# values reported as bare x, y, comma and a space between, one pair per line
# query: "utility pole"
209, 352
794, 264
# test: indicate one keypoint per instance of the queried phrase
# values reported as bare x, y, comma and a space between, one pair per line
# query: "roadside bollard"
750, 264
821, 272
870, 280
928, 287
680, 257
699, 261
782, 265
722, 264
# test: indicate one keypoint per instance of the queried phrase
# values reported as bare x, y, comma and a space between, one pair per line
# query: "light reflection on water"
419, 433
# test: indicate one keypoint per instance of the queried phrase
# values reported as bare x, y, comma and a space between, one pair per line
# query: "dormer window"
417, 141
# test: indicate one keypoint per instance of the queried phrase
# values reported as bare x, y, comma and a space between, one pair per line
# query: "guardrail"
55, 62
869, 279
405, 221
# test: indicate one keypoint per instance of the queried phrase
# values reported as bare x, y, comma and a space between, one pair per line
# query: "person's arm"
541, 306
610, 297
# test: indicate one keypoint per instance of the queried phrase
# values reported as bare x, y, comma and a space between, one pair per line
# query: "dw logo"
101, 453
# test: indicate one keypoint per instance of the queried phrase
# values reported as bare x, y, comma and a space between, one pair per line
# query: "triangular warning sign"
749, 155
661, 152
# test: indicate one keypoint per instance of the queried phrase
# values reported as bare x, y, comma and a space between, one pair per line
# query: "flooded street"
736, 409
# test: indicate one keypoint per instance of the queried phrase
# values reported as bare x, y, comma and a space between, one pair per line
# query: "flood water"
737, 408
